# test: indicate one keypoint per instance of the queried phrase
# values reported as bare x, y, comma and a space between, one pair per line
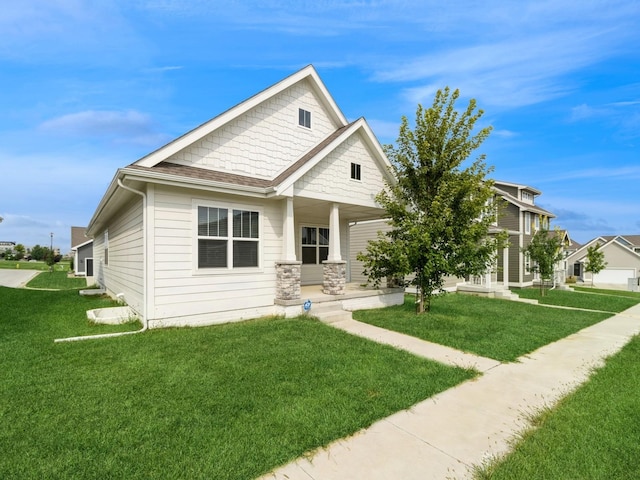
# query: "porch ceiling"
318, 211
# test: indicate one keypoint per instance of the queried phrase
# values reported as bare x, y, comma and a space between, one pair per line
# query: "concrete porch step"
330, 312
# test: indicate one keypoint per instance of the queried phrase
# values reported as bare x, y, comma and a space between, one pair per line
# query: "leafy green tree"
439, 212
595, 261
37, 253
20, 251
545, 250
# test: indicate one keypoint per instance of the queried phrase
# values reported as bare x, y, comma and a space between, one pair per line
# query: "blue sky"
91, 86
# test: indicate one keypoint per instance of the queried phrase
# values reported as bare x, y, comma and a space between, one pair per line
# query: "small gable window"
304, 118
356, 171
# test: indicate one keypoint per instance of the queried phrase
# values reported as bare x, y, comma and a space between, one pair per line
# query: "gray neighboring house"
82, 248
622, 254
520, 217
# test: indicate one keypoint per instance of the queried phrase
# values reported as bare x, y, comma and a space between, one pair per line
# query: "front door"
314, 248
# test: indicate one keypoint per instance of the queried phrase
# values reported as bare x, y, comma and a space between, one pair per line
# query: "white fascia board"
196, 183
111, 190
210, 126
359, 124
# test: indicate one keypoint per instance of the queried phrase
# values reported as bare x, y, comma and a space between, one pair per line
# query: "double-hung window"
527, 223
315, 245
228, 238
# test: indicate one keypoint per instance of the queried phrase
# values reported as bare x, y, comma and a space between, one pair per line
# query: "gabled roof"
519, 186
171, 171
633, 240
308, 73
523, 206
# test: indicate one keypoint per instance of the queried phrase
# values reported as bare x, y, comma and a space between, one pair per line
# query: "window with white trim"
228, 238
304, 118
536, 219
527, 223
527, 196
356, 171
315, 245
527, 263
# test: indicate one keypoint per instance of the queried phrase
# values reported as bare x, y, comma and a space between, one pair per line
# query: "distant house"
82, 251
229, 220
622, 254
521, 218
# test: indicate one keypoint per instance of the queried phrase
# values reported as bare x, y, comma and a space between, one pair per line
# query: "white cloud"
128, 126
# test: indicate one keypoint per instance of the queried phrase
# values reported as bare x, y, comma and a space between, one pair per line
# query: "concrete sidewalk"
444, 436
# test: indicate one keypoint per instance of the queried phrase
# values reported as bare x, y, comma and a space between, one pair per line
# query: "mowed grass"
225, 402
593, 433
24, 265
603, 291
500, 329
57, 280
581, 299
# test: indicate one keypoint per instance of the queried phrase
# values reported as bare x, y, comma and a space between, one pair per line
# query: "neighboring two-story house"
521, 218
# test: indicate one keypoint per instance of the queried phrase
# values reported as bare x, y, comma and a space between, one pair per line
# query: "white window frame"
358, 171
527, 223
536, 222
304, 118
317, 245
230, 207
527, 263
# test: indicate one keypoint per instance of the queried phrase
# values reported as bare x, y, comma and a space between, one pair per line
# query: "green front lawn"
592, 434
603, 291
580, 299
23, 264
500, 329
225, 402
57, 280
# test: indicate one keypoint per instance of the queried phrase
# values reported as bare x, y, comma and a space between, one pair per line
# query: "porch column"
334, 269
334, 234
288, 269
288, 232
505, 267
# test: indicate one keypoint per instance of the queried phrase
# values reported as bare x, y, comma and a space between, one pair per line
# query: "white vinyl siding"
330, 179
265, 140
123, 273
183, 291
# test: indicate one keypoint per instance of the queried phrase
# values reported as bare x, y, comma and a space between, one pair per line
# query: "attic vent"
304, 118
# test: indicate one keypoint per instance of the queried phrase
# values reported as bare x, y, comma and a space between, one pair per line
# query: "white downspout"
145, 322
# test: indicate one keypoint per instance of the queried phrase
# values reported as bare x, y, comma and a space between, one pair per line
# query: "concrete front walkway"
444, 436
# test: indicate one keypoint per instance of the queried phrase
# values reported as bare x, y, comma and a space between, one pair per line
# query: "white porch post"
334, 271
505, 267
288, 232
334, 234
288, 269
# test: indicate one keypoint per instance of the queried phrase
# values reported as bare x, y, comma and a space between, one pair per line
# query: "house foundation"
288, 280
334, 277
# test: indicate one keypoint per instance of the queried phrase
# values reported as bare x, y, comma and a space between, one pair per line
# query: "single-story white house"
228, 221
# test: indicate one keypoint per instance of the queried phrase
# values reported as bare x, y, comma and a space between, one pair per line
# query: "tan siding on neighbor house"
510, 217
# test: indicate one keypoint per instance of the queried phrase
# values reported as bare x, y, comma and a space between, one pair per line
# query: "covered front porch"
314, 301
315, 243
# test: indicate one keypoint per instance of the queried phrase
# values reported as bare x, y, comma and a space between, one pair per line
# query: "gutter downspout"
145, 322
